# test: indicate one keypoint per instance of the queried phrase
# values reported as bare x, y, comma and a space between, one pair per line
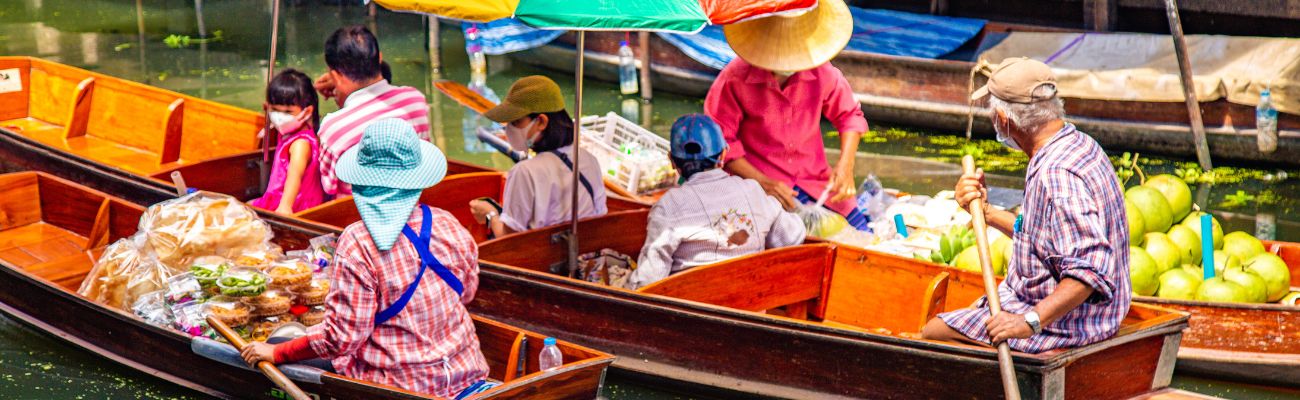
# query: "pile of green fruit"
957, 248
1165, 253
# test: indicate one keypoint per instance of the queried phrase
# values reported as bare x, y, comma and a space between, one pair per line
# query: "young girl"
295, 182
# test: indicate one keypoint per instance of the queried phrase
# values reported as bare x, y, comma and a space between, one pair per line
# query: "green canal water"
116, 38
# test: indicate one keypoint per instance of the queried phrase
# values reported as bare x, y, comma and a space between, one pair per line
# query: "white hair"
1031, 117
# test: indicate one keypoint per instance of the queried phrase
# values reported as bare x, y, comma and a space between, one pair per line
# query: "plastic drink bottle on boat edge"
1266, 123
550, 357
627, 79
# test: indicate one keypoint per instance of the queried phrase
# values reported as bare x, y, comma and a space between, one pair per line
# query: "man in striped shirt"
1067, 284
355, 81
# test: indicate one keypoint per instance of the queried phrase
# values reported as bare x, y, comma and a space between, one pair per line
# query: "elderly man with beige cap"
1067, 283
770, 102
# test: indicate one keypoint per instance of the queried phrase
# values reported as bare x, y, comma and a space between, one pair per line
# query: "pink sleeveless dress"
310, 193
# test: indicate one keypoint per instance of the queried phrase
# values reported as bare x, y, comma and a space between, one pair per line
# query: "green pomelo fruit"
1156, 212
1178, 284
1193, 221
1142, 272
1137, 225
1188, 242
1001, 250
1275, 272
1242, 245
1219, 289
1223, 261
1175, 191
1164, 251
1256, 289
968, 260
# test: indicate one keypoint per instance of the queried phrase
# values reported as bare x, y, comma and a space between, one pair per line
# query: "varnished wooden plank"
623, 232
874, 292
99, 229
756, 282
20, 204
935, 296
171, 137
79, 114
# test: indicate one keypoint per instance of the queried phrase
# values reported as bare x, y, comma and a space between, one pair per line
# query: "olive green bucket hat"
530, 95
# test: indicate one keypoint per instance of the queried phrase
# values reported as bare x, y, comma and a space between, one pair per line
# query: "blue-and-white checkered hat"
388, 169
696, 137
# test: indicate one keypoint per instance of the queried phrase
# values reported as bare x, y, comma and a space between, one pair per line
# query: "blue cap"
550, 341
696, 137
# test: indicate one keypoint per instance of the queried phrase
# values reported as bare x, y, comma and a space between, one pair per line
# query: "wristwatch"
1034, 322
487, 219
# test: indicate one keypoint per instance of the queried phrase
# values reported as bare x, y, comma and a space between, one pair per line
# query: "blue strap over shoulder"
427, 261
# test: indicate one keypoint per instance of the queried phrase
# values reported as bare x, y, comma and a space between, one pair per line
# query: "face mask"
518, 137
1004, 138
285, 122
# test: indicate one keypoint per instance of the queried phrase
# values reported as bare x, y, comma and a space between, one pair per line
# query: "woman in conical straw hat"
770, 101
400, 280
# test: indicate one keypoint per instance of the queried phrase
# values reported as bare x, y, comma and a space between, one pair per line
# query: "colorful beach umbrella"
649, 15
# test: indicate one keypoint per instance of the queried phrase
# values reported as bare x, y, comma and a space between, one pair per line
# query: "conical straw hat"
795, 42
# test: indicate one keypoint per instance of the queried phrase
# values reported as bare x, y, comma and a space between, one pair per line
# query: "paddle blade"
464, 95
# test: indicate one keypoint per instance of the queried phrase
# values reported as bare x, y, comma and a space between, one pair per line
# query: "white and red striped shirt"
342, 129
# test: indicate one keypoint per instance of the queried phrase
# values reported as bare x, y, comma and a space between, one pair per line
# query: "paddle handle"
1005, 364
267, 367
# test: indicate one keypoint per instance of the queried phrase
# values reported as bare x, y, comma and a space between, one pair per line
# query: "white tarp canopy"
1143, 67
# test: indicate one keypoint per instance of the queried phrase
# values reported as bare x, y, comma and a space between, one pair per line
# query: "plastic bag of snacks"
202, 224
153, 309
608, 267
174, 237
123, 273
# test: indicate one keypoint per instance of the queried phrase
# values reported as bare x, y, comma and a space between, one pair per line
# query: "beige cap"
793, 42
529, 95
1015, 79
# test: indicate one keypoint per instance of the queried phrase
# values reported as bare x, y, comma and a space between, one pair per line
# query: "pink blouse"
310, 193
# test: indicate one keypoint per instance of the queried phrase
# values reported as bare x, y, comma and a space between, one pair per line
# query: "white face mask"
518, 137
1005, 138
285, 122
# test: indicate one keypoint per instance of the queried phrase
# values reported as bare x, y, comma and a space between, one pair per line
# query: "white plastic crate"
629, 155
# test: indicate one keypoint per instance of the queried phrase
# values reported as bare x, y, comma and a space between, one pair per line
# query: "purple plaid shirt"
1074, 226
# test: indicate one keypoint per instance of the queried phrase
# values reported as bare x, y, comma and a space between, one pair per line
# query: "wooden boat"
52, 230
932, 93
127, 138
811, 321
1244, 342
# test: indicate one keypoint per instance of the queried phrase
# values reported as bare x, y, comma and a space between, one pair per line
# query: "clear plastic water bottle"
627, 78
1266, 123
471, 120
631, 109
474, 46
550, 358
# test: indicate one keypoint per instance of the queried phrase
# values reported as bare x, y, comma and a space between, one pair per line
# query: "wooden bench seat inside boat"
55, 229
134, 127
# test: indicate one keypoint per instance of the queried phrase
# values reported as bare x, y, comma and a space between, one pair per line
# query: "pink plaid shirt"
778, 129
342, 129
1074, 226
429, 347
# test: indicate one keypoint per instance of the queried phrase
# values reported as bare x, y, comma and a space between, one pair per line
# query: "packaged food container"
289, 274
184, 288
208, 269
255, 258
229, 311
271, 302
242, 282
313, 316
314, 292
260, 329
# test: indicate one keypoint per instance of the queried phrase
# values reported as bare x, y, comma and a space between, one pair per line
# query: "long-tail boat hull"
932, 93
51, 232
714, 329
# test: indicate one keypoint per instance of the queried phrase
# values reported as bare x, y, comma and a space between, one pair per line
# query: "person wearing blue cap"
386, 320
712, 216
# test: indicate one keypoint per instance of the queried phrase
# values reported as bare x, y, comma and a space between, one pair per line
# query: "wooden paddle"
267, 367
464, 95
1005, 365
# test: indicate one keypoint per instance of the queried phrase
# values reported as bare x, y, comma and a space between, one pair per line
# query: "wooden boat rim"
1239, 357
1208, 304
1173, 323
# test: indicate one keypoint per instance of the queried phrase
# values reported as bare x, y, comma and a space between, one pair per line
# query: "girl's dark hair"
291, 87
692, 167
558, 132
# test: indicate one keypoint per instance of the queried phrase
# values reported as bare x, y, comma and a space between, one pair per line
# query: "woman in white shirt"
538, 190
712, 216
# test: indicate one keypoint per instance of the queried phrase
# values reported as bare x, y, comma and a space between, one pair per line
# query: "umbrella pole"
577, 138
265, 164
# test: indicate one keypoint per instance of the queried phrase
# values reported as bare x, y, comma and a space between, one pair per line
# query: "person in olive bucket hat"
400, 280
538, 190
